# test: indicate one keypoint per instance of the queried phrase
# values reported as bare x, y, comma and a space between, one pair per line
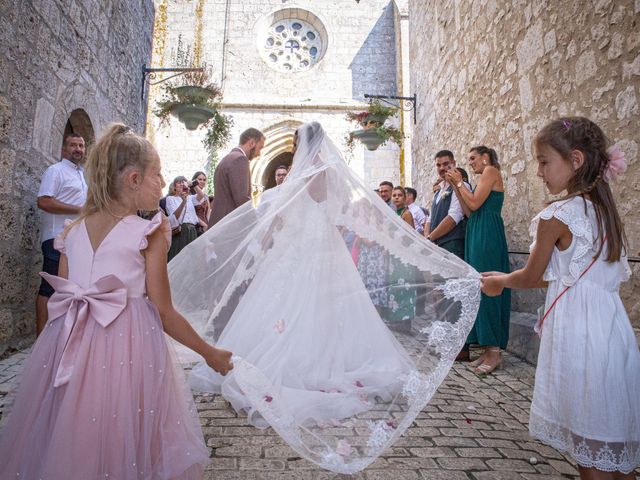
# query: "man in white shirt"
419, 217
447, 226
62, 194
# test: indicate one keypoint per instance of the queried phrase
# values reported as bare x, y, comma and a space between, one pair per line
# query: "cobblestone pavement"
473, 429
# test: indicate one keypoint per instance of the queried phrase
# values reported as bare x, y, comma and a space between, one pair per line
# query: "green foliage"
376, 108
374, 117
217, 127
212, 163
204, 94
218, 132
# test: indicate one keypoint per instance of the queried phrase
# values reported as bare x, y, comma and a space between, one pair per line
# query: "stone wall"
360, 58
495, 71
57, 57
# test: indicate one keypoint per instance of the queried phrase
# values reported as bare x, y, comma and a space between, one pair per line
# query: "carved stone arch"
277, 149
80, 123
79, 113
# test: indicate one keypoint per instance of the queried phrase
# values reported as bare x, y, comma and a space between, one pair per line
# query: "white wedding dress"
281, 285
328, 356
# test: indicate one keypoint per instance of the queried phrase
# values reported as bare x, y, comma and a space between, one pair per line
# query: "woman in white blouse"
181, 206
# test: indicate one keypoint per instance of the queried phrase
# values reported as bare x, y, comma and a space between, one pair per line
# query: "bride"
282, 287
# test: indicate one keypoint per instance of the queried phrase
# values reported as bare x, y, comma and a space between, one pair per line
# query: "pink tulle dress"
101, 396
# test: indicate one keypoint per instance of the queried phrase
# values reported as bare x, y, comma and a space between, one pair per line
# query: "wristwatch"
459, 184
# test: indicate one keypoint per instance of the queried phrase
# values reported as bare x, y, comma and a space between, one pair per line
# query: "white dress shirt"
418, 217
455, 210
189, 210
64, 181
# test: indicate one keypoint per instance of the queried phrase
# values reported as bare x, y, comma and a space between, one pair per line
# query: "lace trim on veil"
418, 388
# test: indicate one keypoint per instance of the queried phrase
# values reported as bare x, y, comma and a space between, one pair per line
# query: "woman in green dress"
486, 251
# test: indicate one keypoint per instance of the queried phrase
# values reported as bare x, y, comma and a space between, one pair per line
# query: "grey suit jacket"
231, 183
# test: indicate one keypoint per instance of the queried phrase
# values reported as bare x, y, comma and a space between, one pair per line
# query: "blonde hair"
117, 150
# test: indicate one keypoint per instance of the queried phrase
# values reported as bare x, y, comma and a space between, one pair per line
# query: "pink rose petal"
343, 448
279, 326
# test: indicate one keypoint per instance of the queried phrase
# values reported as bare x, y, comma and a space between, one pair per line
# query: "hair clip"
124, 129
566, 124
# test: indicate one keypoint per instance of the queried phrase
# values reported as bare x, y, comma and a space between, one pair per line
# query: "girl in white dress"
587, 390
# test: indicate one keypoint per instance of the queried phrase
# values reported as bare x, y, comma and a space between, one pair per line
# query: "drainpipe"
225, 39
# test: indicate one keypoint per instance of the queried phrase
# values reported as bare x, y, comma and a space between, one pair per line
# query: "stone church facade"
495, 71
489, 71
253, 46
65, 65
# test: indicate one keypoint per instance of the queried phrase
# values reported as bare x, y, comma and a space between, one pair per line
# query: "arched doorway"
80, 123
268, 177
277, 150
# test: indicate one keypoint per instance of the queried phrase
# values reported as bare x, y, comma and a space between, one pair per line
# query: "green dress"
486, 250
402, 296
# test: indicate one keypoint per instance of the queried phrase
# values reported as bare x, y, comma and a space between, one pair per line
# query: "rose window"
292, 45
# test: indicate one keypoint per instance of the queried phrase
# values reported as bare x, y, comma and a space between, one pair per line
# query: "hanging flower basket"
192, 115
194, 93
374, 132
196, 107
368, 137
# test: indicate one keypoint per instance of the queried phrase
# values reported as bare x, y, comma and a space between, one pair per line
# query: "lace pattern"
606, 456
330, 362
571, 213
399, 243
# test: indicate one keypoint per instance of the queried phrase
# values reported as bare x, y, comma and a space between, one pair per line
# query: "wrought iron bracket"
149, 74
406, 104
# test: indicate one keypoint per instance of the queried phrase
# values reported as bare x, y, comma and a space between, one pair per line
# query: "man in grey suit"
232, 178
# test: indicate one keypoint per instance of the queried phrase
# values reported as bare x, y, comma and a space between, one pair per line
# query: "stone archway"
80, 123
277, 149
283, 159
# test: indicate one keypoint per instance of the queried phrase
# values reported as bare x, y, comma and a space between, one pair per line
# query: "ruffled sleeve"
625, 269
159, 221
59, 243
572, 213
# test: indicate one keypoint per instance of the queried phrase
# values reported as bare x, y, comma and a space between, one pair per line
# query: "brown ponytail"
490, 152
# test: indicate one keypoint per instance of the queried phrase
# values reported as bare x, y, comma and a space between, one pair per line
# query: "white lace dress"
586, 400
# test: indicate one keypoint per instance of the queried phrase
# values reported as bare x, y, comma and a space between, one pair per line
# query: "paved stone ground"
474, 429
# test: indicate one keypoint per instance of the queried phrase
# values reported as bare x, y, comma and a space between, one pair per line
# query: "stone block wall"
360, 58
495, 71
57, 57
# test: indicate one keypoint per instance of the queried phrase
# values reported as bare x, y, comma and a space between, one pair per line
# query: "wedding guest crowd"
182, 207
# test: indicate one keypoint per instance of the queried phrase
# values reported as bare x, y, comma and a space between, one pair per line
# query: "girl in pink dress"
101, 396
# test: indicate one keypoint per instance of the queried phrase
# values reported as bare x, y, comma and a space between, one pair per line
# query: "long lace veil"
420, 299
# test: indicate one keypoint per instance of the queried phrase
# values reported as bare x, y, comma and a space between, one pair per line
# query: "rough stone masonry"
495, 71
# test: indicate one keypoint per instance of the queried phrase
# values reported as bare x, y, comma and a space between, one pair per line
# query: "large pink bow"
103, 301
